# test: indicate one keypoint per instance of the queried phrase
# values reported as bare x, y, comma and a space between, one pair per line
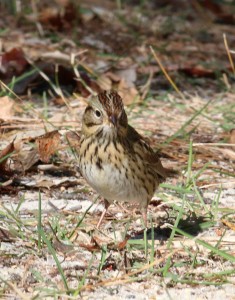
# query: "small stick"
166, 74
228, 53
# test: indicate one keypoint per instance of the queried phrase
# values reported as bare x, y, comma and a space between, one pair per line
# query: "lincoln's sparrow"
114, 159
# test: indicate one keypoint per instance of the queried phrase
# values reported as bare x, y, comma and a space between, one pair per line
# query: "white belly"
112, 184
115, 177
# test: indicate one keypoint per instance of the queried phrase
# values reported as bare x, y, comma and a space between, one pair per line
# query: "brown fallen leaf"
13, 63
93, 247
123, 243
6, 235
61, 247
4, 155
7, 105
227, 153
128, 93
25, 156
74, 139
59, 17
28, 151
110, 266
232, 138
104, 82
48, 144
9, 189
229, 224
198, 71
123, 83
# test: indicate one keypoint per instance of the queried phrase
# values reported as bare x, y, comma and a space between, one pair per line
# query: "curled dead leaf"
48, 144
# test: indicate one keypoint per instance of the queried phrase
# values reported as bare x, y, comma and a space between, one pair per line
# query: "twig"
214, 144
166, 74
228, 53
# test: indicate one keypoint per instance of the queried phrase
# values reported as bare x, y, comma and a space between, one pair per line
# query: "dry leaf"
61, 247
129, 94
229, 224
125, 87
129, 75
59, 17
8, 190
6, 235
122, 244
104, 82
48, 144
4, 155
90, 247
25, 159
73, 139
232, 138
13, 63
6, 105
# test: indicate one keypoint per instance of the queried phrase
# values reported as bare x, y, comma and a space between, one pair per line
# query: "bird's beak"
113, 120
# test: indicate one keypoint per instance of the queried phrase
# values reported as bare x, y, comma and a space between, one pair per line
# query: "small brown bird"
114, 158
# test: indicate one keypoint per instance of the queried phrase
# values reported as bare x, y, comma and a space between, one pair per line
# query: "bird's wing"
143, 149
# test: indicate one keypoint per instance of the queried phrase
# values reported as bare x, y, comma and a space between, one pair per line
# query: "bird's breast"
114, 173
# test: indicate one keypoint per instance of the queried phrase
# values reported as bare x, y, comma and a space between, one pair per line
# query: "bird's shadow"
192, 225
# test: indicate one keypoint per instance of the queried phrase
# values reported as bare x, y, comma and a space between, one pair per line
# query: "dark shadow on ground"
192, 225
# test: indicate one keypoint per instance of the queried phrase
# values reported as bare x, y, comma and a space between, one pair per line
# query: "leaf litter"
40, 135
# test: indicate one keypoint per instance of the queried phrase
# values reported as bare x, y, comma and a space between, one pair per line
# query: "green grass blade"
183, 127
84, 215
53, 253
39, 220
213, 249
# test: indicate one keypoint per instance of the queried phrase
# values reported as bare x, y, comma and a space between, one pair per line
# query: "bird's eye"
97, 113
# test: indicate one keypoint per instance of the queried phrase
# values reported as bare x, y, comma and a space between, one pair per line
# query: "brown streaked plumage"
114, 158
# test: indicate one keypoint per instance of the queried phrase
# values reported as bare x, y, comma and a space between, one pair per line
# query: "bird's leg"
106, 206
144, 216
